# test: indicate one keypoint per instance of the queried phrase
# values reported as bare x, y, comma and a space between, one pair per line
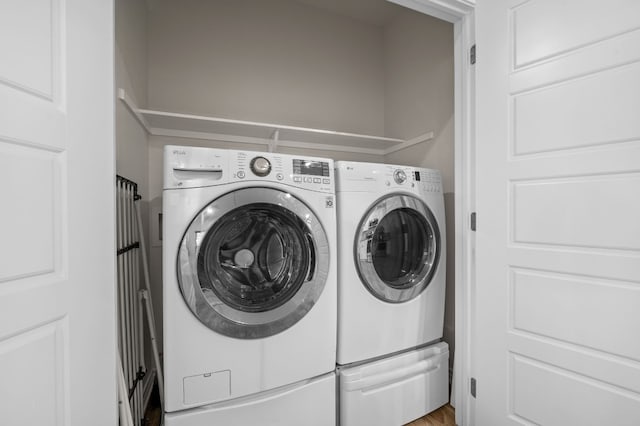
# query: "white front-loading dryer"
392, 257
249, 265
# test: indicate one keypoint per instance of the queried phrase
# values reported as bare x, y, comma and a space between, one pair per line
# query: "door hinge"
473, 221
472, 55
473, 387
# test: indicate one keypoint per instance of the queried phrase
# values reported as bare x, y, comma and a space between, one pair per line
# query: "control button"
240, 174
297, 179
399, 176
308, 179
317, 180
260, 166
279, 176
327, 181
388, 183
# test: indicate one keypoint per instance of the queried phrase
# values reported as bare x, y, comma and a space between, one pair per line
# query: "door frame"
461, 14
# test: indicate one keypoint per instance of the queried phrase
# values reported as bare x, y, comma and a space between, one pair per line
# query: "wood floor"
444, 416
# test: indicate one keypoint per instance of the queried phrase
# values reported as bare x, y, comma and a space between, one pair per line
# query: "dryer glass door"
253, 262
397, 248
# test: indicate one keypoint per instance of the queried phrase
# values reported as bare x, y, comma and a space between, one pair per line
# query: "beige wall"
131, 41
272, 61
418, 52
131, 75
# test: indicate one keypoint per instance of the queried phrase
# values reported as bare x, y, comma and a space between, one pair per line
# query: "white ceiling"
376, 12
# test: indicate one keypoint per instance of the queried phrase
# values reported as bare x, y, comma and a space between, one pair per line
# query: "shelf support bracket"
275, 138
131, 106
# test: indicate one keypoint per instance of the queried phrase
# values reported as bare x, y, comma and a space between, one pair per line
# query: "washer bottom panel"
395, 390
311, 402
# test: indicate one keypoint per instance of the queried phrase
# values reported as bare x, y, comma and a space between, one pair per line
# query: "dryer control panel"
373, 177
191, 167
412, 179
429, 180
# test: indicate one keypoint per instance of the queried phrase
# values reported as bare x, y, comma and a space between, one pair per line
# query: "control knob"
399, 176
260, 166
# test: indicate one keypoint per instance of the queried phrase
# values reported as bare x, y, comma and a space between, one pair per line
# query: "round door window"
397, 248
253, 263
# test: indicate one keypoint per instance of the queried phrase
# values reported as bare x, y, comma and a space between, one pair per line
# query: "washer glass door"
397, 248
253, 262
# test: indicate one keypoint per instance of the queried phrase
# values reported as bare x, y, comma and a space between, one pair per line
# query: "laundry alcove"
350, 80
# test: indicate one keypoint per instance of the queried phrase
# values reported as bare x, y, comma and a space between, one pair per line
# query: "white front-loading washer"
391, 266
249, 267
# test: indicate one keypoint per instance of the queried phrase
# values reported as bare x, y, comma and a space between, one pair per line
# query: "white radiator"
130, 319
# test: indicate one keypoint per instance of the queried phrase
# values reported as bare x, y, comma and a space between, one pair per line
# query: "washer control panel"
189, 167
304, 172
311, 171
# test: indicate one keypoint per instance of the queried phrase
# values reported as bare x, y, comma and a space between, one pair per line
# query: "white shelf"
272, 135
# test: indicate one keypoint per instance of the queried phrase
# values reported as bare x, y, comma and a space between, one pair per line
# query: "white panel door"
558, 230
57, 327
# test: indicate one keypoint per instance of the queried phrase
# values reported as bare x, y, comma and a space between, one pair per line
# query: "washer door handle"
312, 259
